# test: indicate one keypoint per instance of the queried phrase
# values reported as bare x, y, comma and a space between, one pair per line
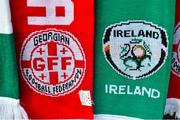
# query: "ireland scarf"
54, 49
173, 101
9, 91
132, 58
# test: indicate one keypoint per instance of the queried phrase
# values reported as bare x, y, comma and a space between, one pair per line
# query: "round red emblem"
52, 62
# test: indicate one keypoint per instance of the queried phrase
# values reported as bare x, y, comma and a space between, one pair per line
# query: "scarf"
55, 55
133, 43
173, 101
9, 89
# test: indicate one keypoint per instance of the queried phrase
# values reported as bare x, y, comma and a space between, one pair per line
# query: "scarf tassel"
11, 109
172, 107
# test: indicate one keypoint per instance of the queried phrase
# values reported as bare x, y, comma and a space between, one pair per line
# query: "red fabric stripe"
26, 64
60, 11
53, 77
175, 48
52, 49
79, 63
68, 105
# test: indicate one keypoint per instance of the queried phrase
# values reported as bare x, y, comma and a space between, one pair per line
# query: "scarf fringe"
11, 109
172, 106
113, 117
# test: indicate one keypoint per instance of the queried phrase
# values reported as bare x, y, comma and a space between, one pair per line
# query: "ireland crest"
135, 49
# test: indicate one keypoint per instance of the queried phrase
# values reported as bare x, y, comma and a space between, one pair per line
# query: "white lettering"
122, 89
51, 18
113, 89
155, 94
132, 90
128, 90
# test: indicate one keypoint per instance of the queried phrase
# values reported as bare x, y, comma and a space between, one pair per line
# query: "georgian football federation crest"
52, 62
176, 52
135, 49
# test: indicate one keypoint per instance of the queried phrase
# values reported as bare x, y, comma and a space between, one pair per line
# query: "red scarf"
173, 101
54, 42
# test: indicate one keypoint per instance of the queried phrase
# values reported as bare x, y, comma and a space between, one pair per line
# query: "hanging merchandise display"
9, 88
173, 101
54, 43
133, 43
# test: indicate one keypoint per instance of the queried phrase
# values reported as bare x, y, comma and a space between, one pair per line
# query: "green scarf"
9, 91
133, 45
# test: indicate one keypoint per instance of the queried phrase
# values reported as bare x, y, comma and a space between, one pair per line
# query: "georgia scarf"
173, 101
9, 88
55, 55
133, 43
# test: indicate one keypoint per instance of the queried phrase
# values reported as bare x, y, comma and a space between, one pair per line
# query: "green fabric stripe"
159, 12
8, 68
